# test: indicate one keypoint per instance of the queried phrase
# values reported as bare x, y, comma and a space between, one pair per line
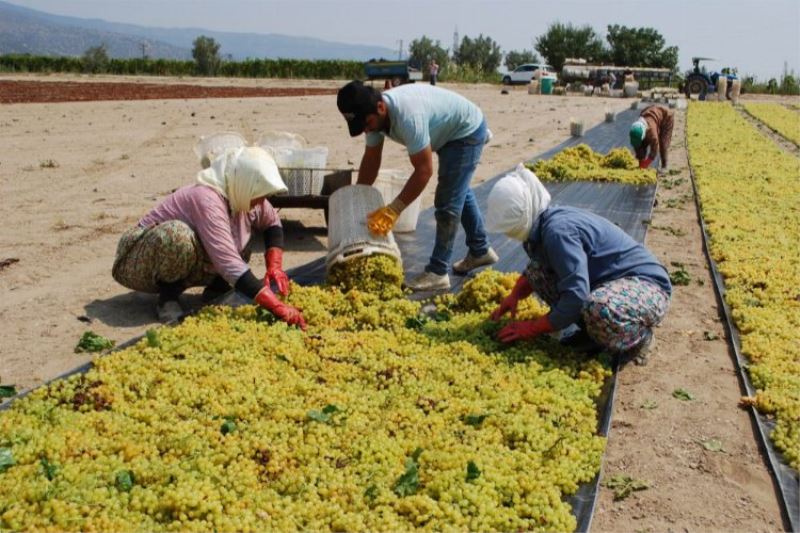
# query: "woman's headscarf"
637, 132
242, 174
515, 202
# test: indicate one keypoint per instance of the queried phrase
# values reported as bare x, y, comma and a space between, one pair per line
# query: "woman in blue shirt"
590, 272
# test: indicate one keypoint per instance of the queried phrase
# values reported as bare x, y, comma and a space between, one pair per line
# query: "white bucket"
281, 139
348, 234
722, 87
209, 147
630, 89
736, 89
576, 128
390, 182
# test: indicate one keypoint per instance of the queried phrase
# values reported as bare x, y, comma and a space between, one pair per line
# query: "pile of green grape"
379, 417
379, 274
581, 163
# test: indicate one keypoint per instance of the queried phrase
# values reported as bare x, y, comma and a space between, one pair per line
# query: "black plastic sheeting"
786, 479
628, 206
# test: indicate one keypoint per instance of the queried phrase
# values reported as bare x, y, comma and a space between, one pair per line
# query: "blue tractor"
700, 82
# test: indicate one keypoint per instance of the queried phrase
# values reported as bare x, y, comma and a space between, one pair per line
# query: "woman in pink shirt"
199, 236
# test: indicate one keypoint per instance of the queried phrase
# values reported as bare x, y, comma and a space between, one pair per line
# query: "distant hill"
24, 30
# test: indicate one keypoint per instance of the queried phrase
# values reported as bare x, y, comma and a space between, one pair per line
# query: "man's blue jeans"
455, 200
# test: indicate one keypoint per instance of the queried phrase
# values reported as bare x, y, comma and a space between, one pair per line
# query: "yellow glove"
381, 221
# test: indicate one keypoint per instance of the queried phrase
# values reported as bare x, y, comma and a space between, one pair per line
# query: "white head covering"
515, 202
242, 174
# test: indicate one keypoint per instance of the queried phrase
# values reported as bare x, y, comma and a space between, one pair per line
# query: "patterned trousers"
618, 314
166, 253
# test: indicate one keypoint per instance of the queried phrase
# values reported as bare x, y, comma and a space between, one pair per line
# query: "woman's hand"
522, 289
274, 260
509, 303
291, 315
525, 329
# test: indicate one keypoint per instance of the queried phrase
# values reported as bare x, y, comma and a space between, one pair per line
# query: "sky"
759, 37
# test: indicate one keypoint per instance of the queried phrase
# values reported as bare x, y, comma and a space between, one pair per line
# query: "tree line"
624, 46
473, 59
206, 62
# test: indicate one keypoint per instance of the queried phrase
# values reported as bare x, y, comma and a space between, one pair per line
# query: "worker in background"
590, 272
199, 236
651, 135
628, 76
425, 120
434, 71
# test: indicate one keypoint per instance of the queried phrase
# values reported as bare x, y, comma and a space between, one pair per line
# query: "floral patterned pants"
618, 315
166, 253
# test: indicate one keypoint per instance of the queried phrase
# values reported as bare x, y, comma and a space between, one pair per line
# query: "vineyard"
250, 68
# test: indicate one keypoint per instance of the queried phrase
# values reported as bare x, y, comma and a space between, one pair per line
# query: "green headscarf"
637, 132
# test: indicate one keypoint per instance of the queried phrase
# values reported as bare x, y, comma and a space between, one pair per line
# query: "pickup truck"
397, 71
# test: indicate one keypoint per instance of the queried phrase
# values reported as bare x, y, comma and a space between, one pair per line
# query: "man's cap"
637, 132
355, 101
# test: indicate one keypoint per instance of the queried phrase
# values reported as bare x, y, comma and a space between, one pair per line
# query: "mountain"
24, 30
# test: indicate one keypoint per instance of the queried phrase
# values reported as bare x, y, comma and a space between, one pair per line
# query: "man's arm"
370, 164
423, 170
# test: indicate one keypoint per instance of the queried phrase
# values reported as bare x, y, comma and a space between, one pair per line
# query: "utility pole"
456, 41
400, 51
144, 47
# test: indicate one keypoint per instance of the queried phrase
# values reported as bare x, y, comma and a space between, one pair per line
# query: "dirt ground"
74, 176
26, 91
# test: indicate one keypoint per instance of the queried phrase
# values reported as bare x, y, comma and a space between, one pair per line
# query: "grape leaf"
229, 426
474, 420
371, 493
649, 404
713, 445
92, 342
473, 472
153, 340
408, 483
124, 480
324, 416
623, 485
6, 459
683, 394
50, 469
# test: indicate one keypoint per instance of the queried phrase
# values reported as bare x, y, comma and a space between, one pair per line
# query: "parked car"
524, 73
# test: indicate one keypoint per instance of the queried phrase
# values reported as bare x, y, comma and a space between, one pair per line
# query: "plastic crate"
303, 181
302, 169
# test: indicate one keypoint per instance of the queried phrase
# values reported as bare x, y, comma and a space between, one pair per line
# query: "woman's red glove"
522, 289
525, 329
274, 260
291, 315
645, 163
